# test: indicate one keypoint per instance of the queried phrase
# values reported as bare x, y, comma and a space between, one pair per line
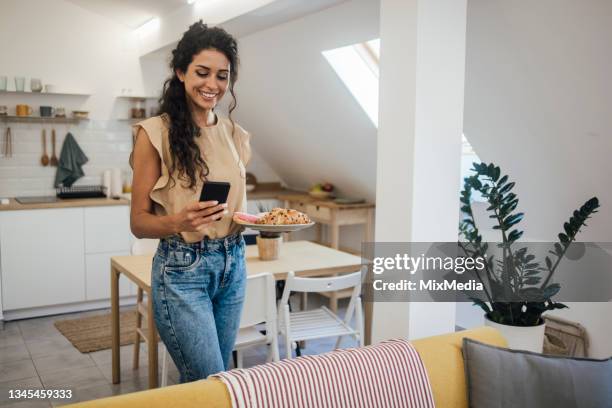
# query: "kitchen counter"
14, 205
263, 192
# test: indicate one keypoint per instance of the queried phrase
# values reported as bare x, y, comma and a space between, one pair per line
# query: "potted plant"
517, 288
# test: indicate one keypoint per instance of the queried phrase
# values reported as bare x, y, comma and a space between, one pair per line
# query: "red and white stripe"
389, 374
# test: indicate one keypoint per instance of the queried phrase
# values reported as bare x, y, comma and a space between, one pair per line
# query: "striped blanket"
389, 374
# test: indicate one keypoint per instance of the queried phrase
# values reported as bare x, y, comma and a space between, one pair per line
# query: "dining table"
304, 258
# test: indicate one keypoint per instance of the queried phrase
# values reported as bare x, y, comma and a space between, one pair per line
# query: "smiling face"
207, 79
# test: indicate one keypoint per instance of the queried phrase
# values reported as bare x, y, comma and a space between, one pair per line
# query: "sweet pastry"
283, 216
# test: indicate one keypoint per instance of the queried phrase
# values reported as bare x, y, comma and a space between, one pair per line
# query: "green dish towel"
71, 160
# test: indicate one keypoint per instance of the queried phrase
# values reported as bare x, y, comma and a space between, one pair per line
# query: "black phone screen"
215, 191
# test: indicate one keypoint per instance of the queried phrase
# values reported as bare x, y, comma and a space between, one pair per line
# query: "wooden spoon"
44, 160
53, 161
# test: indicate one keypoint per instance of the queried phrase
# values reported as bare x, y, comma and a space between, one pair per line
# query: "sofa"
440, 354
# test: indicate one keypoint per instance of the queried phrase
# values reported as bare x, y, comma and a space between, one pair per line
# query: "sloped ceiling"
132, 13
305, 123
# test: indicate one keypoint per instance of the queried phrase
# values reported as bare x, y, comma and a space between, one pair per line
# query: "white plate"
274, 228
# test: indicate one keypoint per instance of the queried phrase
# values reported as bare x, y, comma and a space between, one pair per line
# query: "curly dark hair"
182, 130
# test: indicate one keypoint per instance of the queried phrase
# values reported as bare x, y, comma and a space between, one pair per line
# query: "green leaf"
531, 281
509, 197
514, 235
532, 273
506, 188
557, 305
508, 207
491, 170
548, 263
532, 294
513, 219
551, 290
482, 304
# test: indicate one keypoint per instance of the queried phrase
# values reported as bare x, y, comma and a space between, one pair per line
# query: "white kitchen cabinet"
42, 257
97, 269
107, 229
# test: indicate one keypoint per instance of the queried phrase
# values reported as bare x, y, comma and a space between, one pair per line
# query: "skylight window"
469, 156
357, 67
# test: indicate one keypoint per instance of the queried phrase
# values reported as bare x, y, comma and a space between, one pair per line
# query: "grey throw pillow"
502, 378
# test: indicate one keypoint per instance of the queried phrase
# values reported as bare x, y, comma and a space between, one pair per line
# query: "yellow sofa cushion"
441, 355
204, 393
443, 360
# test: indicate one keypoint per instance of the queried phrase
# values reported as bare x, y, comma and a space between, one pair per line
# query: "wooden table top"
305, 258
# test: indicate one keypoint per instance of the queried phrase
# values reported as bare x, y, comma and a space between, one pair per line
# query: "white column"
422, 65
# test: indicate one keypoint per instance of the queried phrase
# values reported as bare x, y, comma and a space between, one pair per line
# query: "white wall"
77, 51
419, 144
537, 103
305, 122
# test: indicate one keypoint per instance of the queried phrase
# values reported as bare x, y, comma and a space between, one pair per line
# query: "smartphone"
215, 191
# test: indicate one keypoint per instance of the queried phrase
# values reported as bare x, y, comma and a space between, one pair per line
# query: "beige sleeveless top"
226, 157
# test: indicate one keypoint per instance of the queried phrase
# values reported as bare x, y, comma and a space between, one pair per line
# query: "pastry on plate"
283, 216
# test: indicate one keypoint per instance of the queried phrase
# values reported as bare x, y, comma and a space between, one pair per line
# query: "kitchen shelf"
137, 97
133, 120
39, 119
45, 93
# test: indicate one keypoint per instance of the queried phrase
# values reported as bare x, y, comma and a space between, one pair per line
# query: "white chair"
259, 307
321, 322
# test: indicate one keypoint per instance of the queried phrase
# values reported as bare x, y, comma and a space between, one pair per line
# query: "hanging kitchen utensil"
7, 148
44, 160
9, 138
53, 161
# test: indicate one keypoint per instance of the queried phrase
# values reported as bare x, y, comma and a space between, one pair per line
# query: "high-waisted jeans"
198, 291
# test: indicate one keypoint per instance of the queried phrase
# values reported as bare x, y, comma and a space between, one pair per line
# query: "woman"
198, 275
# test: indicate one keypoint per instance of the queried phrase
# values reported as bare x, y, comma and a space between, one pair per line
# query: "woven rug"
93, 333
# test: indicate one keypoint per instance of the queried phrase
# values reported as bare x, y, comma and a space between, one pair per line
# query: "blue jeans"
198, 291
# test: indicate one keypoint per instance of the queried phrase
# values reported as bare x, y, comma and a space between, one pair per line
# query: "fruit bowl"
320, 194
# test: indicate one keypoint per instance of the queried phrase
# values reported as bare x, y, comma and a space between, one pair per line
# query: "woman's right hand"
198, 215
